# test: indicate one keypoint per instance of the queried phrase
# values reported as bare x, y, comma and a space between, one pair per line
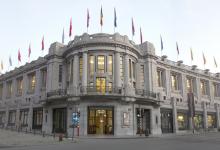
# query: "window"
216, 90
174, 82
80, 67
110, 87
1, 89
189, 84
203, 87
198, 121
24, 117
60, 73
110, 65
211, 120
182, 120
133, 69
2, 117
130, 71
37, 118
32, 83
9, 89
101, 64
160, 73
19, 86
91, 66
121, 68
12, 117
142, 76
43, 79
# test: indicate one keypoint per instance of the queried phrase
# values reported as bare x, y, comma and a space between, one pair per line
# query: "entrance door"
166, 121
100, 85
59, 120
143, 121
100, 120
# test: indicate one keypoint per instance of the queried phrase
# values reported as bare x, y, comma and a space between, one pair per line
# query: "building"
118, 88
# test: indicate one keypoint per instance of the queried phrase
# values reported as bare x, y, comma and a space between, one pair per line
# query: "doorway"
143, 121
59, 120
100, 120
166, 121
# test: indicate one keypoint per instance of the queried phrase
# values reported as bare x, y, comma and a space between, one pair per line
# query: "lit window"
189, 85
174, 82
32, 83
101, 64
109, 87
159, 78
80, 67
182, 120
203, 87
91, 66
110, 65
211, 120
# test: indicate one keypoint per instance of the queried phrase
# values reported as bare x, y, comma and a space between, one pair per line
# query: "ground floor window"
2, 117
37, 118
24, 117
100, 120
11, 118
198, 121
166, 121
211, 120
182, 120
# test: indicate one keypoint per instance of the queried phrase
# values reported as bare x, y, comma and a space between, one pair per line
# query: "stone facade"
117, 87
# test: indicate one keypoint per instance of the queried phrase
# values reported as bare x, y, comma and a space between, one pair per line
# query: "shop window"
211, 120
182, 120
198, 121
24, 117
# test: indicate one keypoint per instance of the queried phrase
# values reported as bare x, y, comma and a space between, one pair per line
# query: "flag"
88, 17
63, 36
115, 18
215, 62
42, 44
10, 61
101, 17
70, 31
204, 59
161, 43
177, 48
191, 52
132, 27
19, 56
29, 51
141, 38
2, 66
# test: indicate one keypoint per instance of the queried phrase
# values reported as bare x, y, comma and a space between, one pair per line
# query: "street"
21, 141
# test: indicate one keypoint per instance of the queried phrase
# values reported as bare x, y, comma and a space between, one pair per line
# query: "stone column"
205, 121
117, 70
217, 116
17, 119
84, 75
175, 123
30, 118
6, 117
75, 74
126, 74
168, 83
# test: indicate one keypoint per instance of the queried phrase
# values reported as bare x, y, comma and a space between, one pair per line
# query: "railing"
59, 92
142, 92
100, 90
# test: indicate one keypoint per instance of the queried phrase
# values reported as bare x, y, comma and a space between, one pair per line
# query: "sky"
191, 23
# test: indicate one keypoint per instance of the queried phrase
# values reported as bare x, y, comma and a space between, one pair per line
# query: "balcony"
145, 93
57, 93
100, 90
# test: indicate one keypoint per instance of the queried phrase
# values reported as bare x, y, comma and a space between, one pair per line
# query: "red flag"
88, 17
42, 44
29, 51
70, 31
133, 29
141, 38
19, 56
